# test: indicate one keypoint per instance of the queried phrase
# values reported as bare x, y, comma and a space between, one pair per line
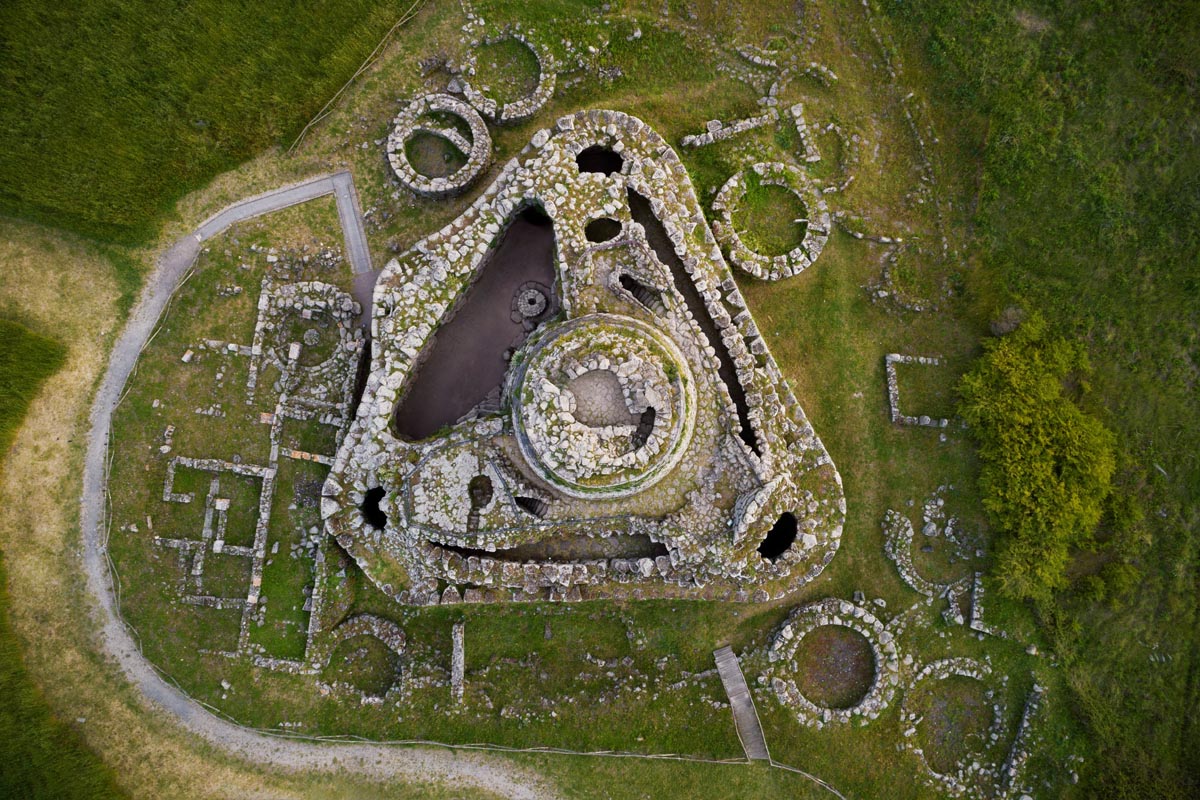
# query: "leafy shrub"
1047, 465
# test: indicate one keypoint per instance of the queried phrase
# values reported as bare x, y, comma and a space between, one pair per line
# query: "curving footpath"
370, 760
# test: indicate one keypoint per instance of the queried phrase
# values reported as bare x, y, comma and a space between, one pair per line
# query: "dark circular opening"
834, 666
779, 538
371, 511
604, 160
602, 230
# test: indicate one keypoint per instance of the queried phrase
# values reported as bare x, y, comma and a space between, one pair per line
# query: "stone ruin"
418, 117
973, 775
796, 260
833, 611
518, 110
893, 389
313, 382
637, 439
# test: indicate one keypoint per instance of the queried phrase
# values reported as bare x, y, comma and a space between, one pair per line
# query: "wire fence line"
328, 107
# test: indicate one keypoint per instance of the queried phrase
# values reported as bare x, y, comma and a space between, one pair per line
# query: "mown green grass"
111, 111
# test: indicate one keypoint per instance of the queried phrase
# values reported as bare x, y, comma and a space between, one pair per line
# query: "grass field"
26, 360
1067, 163
40, 756
111, 112
1088, 209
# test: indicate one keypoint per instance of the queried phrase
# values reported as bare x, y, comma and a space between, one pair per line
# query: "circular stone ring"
413, 120
793, 262
649, 406
833, 611
518, 110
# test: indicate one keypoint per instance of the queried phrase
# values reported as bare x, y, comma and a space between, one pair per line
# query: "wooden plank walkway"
745, 717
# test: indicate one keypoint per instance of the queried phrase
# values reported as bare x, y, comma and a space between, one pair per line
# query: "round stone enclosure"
824, 613
420, 116
834, 666
531, 303
977, 746
796, 260
603, 406
517, 110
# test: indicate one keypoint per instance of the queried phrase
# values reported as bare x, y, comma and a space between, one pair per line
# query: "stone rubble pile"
807, 141
717, 131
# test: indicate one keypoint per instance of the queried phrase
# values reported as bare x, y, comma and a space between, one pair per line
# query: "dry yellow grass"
59, 287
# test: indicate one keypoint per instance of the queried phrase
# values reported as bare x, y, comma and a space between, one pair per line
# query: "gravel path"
376, 760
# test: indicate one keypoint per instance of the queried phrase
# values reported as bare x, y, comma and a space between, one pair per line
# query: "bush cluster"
1047, 465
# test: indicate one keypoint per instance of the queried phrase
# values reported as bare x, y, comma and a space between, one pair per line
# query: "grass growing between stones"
168, 392
767, 217
505, 71
433, 156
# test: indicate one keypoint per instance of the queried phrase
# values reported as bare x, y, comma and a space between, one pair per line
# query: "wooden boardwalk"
745, 717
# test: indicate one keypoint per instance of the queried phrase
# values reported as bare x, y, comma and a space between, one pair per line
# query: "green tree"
1047, 465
